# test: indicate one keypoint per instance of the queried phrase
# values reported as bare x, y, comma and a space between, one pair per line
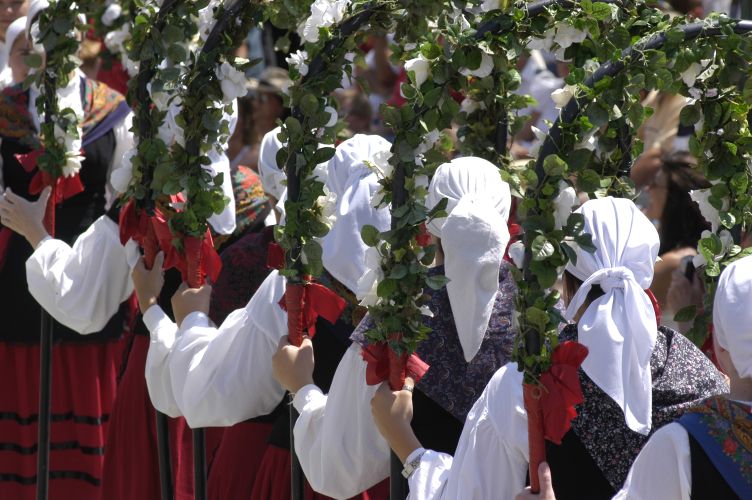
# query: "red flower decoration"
730, 446
423, 238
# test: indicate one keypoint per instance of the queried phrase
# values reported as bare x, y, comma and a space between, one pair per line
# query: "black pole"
163, 449
297, 478
45, 384
199, 464
397, 483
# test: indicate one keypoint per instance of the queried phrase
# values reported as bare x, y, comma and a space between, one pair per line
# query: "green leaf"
398, 272
597, 114
309, 105
690, 115
33, 60
686, 314
370, 235
585, 241
323, 155
541, 248
620, 37
386, 288
537, 317
553, 165
437, 282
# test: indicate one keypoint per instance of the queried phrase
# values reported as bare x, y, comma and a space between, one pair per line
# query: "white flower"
130, 65
328, 204
380, 163
426, 311
726, 240
320, 173
324, 13
591, 66
115, 40
420, 66
429, 140
350, 57
489, 5
206, 20
72, 164
540, 136
708, 211
711, 93
111, 14
369, 282
689, 75
588, 142
695, 93
299, 61
562, 96
409, 47
482, 71
470, 106
121, 176
517, 253
232, 82
377, 198
564, 202
333, 116
458, 18
566, 35
544, 43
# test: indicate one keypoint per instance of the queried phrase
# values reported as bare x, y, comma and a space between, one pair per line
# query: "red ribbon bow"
562, 389
198, 259
384, 364
304, 304
65, 187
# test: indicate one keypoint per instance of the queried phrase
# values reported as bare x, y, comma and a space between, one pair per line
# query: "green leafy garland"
204, 119
316, 71
55, 37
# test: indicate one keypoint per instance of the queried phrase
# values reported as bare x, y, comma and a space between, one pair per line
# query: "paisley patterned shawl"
103, 109
451, 382
724, 430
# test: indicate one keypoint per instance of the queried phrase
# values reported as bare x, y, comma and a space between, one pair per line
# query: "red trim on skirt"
84, 380
131, 464
273, 480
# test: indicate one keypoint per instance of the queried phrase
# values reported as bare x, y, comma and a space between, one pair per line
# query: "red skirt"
84, 379
237, 460
273, 480
131, 464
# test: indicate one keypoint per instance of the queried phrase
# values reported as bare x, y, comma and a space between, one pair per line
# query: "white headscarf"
272, 176
35, 7
474, 237
16, 28
354, 185
732, 314
619, 328
224, 222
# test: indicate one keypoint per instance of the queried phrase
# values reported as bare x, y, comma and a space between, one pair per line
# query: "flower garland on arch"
54, 61
112, 22
334, 28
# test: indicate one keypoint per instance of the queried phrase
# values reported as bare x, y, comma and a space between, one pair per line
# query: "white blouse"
336, 440
218, 376
492, 455
82, 286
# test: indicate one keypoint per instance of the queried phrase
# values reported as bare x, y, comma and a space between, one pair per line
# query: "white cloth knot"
614, 277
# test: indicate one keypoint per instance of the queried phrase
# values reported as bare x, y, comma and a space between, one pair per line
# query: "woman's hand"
189, 300
546, 486
148, 282
393, 411
25, 217
293, 366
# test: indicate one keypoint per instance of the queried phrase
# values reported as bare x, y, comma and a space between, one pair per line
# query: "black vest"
707, 482
20, 312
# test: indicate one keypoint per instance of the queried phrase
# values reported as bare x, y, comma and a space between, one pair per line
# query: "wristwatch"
412, 465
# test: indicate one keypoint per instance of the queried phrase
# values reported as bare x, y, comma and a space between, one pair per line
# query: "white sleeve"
427, 482
336, 440
491, 460
123, 144
163, 332
663, 469
82, 287
222, 376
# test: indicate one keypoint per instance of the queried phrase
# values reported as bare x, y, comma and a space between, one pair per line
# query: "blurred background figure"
10, 10
355, 109
258, 113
